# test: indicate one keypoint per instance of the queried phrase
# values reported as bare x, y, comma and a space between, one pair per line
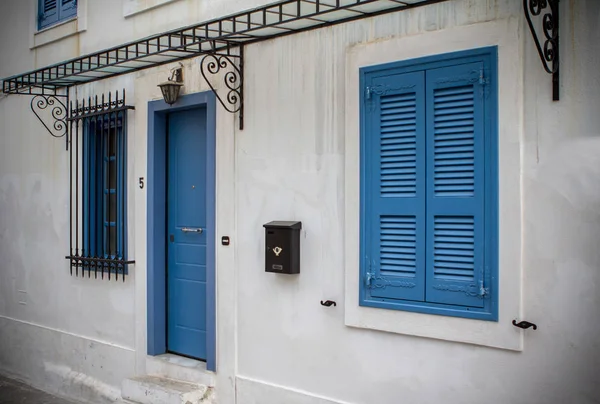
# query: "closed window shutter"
455, 189
68, 9
48, 12
395, 197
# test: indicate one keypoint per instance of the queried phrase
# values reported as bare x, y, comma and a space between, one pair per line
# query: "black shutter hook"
524, 324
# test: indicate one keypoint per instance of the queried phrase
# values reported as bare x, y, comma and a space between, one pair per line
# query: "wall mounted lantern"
170, 88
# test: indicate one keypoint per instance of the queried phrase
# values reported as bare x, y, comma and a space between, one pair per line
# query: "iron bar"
107, 186
76, 194
69, 138
90, 171
122, 178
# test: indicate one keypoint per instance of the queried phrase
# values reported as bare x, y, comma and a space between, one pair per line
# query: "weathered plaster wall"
293, 161
68, 334
276, 344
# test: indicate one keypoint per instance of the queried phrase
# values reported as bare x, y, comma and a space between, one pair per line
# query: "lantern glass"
170, 91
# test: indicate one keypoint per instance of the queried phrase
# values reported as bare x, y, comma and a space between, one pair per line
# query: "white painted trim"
502, 334
134, 7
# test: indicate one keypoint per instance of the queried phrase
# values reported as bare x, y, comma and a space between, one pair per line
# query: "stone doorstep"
179, 368
160, 390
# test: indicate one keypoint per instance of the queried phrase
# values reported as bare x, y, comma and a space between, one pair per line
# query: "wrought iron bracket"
233, 100
549, 51
55, 122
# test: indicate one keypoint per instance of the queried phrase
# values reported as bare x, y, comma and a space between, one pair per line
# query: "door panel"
186, 238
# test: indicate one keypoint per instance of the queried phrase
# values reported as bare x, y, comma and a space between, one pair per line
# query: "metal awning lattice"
222, 39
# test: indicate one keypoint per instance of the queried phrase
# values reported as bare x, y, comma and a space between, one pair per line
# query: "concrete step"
179, 368
159, 390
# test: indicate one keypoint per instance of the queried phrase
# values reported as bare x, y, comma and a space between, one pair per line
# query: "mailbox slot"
282, 247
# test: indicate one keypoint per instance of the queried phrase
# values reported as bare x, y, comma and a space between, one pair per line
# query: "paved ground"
13, 392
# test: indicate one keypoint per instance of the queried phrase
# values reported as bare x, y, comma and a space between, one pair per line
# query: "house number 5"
141, 182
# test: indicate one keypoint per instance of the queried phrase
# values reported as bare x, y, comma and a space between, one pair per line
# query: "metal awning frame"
221, 41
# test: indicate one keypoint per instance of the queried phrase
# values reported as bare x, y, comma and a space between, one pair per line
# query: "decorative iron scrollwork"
233, 79
549, 51
58, 127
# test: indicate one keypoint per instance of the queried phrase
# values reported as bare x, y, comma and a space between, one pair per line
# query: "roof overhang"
220, 36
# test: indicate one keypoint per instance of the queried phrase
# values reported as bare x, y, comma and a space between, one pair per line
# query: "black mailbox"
282, 247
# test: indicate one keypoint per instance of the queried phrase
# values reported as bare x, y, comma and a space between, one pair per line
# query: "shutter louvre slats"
393, 257
396, 166
68, 9
48, 13
455, 188
398, 146
53, 11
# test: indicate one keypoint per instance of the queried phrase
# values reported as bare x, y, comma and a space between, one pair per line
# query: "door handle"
191, 230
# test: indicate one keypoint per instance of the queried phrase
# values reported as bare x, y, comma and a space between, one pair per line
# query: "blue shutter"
394, 187
91, 185
68, 9
47, 13
455, 188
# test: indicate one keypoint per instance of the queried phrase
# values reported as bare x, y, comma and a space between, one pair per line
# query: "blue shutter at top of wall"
47, 13
394, 187
68, 9
456, 160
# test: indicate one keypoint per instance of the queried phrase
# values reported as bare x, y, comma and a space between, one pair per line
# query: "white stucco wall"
295, 160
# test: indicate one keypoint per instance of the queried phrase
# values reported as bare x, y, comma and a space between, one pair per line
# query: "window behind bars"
98, 138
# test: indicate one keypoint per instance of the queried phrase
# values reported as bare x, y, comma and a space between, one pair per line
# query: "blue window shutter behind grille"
456, 185
68, 9
47, 12
96, 221
91, 186
394, 159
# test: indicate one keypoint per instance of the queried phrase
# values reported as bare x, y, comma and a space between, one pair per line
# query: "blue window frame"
429, 203
104, 188
51, 12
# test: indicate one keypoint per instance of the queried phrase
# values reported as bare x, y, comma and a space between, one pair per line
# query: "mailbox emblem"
277, 250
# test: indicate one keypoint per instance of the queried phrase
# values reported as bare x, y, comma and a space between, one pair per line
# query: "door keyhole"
172, 238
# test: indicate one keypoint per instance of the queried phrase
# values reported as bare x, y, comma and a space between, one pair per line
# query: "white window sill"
134, 7
56, 32
501, 334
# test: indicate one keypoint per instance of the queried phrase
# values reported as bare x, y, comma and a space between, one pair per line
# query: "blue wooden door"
186, 227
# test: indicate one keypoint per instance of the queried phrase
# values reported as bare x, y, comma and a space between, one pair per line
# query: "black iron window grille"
98, 167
